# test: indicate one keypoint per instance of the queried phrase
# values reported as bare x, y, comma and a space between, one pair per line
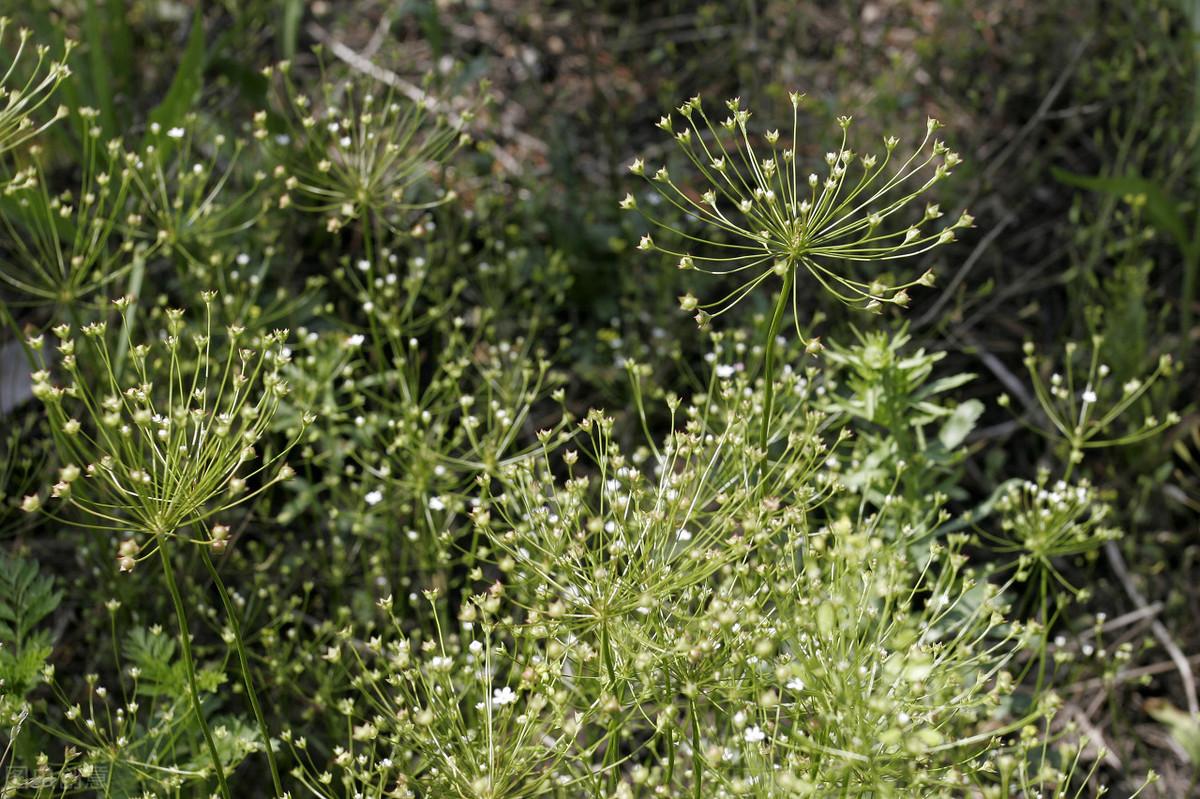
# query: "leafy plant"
27, 598
495, 522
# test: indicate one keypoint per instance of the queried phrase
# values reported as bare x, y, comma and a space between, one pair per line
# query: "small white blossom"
504, 696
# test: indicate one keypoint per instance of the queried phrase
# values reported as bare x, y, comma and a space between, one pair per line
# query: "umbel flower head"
1042, 521
190, 192
169, 439
351, 152
18, 101
66, 245
771, 217
1087, 406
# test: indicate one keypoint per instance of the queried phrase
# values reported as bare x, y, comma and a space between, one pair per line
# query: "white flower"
724, 371
356, 340
754, 735
175, 133
504, 696
1089, 396
795, 684
374, 498
436, 503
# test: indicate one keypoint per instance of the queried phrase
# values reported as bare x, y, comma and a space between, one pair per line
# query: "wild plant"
481, 712
1047, 521
352, 153
610, 550
161, 445
191, 196
1084, 406
779, 221
908, 432
21, 101
1043, 521
140, 736
65, 246
886, 673
27, 598
1042, 761
769, 220
471, 587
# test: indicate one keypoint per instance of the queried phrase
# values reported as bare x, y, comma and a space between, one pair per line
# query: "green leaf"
960, 423
26, 598
293, 11
1161, 207
188, 79
944, 384
153, 653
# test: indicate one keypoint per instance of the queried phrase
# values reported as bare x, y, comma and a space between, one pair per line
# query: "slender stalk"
697, 758
769, 355
610, 751
189, 665
670, 732
240, 646
1044, 613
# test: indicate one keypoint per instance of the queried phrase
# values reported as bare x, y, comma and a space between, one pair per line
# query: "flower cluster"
166, 437
769, 218
48, 266
1087, 408
355, 154
1043, 521
19, 101
442, 719
191, 195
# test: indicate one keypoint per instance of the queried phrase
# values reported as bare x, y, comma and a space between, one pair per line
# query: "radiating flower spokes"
775, 221
19, 102
353, 153
1085, 405
52, 266
1044, 521
171, 440
190, 193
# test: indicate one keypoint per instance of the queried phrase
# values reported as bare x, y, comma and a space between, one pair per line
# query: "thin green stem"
697, 757
670, 732
240, 646
185, 637
610, 751
1044, 614
769, 355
